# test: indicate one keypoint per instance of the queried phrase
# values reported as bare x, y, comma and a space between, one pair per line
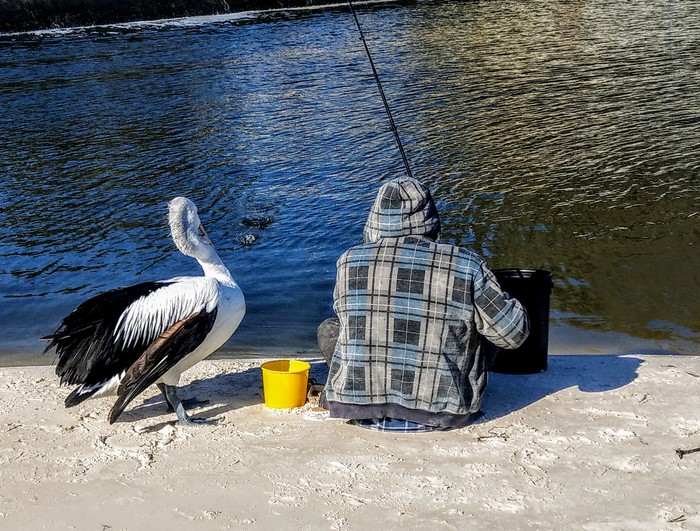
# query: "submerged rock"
258, 222
247, 239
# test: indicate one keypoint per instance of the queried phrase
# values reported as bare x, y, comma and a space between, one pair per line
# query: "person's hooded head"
403, 207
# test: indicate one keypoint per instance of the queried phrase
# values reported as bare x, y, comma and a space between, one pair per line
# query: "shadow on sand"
507, 393
224, 393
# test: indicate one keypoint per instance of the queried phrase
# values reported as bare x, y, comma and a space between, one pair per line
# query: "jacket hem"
395, 411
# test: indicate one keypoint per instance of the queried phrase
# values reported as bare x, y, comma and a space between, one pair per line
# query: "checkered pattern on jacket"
412, 312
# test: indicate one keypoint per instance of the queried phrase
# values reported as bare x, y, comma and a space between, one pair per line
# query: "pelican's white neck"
215, 268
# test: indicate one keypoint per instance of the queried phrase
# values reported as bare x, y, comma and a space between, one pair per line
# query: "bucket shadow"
507, 393
224, 392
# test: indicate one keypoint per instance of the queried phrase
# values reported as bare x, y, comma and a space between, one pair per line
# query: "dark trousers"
327, 336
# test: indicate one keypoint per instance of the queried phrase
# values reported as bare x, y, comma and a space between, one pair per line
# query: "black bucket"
532, 288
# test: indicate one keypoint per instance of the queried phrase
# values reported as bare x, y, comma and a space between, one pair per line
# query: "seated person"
405, 352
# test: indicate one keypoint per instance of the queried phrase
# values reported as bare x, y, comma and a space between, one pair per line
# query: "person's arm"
499, 318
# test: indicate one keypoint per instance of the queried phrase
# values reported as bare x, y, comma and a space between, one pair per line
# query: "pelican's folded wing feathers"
106, 334
148, 317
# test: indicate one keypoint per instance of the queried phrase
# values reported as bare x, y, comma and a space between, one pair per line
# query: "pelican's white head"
187, 231
191, 239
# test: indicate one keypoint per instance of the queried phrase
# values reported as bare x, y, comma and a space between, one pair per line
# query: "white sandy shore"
589, 444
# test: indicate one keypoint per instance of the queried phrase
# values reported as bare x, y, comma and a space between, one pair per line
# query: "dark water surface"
556, 135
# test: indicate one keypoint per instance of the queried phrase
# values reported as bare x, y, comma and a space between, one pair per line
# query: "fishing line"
381, 92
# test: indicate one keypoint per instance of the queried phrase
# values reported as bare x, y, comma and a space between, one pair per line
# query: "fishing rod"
381, 93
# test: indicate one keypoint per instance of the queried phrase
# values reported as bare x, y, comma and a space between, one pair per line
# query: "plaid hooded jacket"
412, 315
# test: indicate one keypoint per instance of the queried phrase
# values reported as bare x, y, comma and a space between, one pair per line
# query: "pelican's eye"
203, 235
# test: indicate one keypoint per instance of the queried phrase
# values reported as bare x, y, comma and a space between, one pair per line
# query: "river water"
555, 135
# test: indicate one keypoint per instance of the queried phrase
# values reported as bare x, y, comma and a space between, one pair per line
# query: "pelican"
122, 341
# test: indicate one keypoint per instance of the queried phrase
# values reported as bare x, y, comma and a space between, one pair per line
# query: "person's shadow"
507, 393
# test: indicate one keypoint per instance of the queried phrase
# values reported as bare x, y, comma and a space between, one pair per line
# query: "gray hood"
403, 207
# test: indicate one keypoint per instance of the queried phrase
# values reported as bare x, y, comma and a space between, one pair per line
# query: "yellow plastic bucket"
284, 383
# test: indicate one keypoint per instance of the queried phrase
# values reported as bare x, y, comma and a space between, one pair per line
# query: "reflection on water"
564, 137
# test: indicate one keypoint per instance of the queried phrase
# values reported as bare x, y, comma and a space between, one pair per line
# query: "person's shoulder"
463, 259
470, 255
360, 251
460, 252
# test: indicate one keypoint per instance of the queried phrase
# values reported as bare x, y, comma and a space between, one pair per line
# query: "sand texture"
589, 444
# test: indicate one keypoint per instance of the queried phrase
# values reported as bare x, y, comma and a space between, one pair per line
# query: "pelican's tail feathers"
78, 395
83, 392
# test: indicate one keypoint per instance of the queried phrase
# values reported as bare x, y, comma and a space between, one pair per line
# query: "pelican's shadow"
224, 393
507, 393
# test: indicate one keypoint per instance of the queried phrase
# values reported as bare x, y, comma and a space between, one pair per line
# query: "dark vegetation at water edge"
27, 15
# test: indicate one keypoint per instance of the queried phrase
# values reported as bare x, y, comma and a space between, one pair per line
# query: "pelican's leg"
174, 402
161, 386
189, 403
